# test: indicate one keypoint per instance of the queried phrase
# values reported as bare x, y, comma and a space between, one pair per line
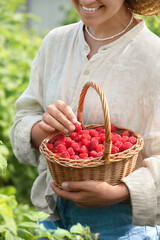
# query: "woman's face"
96, 12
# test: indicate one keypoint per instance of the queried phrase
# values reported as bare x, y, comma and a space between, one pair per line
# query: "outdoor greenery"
18, 47
19, 222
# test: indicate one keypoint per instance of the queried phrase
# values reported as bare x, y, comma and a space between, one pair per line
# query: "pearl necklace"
103, 39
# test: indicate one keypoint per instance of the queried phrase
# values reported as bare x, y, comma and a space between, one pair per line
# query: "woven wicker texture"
109, 167
144, 7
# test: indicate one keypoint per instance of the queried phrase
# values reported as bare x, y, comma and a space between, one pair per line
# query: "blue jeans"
112, 223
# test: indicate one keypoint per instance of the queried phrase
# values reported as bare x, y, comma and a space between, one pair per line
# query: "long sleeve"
29, 110
144, 183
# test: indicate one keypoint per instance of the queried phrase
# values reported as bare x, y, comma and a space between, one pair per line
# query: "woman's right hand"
58, 116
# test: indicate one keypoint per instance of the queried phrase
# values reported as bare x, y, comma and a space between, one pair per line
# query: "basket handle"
107, 125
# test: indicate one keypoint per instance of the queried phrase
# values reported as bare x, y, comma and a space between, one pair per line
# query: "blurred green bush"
18, 47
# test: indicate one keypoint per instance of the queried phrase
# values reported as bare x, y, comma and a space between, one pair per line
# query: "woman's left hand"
90, 193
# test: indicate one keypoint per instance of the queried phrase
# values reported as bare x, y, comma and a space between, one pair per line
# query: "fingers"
45, 127
77, 186
66, 110
59, 116
64, 194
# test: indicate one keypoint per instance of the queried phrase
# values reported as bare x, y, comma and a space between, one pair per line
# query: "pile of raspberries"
89, 143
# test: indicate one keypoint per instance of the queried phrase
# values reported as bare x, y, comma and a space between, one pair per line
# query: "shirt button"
86, 72
86, 47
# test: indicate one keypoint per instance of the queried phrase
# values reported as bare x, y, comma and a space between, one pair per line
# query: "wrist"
123, 192
37, 135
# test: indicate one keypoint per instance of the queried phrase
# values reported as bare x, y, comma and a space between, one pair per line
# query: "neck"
113, 26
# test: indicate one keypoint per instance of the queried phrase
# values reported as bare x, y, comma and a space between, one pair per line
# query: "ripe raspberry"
98, 129
132, 140
93, 133
83, 155
85, 131
99, 148
58, 142
83, 149
93, 154
125, 133
78, 127
118, 137
99, 154
73, 135
102, 131
102, 136
75, 146
85, 142
118, 144
55, 149
113, 138
74, 157
78, 138
113, 129
52, 140
97, 139
126, 146
93, 144
114, 150
60, 137
61, 148
71, 151
68, 142
65, 154
50, 146
124, 139
86, 136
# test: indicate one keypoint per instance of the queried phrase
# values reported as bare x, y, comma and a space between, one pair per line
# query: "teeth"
90, 9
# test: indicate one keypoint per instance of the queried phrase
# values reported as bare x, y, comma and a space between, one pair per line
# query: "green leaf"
60, 233
25, 234
28, 224
2, 228
10, 224
10, 236
36, 216
3, 164
8, 190
78, 229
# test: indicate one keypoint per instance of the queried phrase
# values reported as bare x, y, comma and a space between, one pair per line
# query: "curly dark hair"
144, 7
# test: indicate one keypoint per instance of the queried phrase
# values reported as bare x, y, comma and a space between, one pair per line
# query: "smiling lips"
91, 10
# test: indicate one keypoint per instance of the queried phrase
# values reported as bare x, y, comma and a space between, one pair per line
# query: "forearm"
37, 135
122, 192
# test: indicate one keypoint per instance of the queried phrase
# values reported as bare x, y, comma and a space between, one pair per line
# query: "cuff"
23, 149
143, 197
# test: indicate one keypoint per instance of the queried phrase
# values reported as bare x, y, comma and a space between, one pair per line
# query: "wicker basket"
109, 167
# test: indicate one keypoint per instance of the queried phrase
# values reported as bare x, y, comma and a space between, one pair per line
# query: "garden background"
18, 46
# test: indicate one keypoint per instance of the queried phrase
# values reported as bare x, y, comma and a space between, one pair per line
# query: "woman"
116, 50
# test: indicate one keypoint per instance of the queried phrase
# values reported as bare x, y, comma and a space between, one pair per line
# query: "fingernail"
65, 130
74, 120
71, 128
65, 185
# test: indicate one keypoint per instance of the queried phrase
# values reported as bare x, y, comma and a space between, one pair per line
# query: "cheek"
76, 5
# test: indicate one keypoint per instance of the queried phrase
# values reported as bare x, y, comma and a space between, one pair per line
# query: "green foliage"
19, 222
3, 162
18, 47
71, 15
153, 23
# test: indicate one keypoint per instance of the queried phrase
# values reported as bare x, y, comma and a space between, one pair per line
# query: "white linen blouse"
128, 71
